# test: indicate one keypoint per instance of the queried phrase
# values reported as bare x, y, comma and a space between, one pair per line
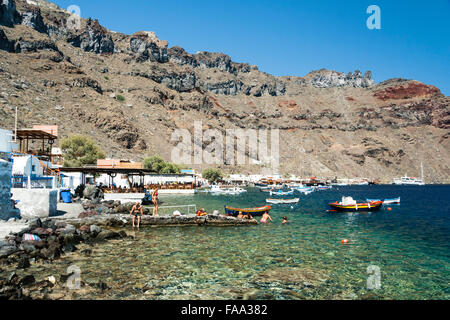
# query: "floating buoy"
344, 241
389, 209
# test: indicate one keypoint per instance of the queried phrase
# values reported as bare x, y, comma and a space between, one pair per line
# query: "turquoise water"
302, 260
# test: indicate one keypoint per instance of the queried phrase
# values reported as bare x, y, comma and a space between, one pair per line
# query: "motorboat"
283, 201
349, 204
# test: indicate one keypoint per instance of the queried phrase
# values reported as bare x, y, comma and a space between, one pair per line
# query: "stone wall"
36, 203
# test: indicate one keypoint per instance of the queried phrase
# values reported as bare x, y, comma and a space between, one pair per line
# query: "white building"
27, 166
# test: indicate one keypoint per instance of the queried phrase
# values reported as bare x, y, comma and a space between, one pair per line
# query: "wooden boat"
281, 193
348, 204
253, 211
283, 201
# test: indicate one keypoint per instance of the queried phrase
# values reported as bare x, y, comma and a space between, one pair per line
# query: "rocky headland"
332, 124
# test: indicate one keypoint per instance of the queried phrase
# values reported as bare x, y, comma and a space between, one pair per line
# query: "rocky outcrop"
405, 90
207, 60
147, 46
32, 18
5, 43
328, 78
181, 82
86, 82
94, 39
8, 13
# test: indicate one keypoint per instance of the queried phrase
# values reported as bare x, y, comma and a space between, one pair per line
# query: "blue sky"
289, 37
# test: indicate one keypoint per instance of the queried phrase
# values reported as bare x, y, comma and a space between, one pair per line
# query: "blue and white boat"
282, 193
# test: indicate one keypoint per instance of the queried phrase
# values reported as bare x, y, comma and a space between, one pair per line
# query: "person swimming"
265, 217
285, 220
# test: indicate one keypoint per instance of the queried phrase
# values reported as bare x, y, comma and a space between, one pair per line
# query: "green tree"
170, 168
212, 175
158, 165
79, 150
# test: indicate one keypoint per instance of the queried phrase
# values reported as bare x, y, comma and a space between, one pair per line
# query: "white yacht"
411, 180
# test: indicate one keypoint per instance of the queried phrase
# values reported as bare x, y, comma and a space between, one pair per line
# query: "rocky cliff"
331, 123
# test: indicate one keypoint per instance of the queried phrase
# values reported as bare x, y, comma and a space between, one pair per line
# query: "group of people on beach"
137, 210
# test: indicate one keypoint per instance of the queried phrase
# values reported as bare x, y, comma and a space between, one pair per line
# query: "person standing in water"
265, 217
135, 211
155, 201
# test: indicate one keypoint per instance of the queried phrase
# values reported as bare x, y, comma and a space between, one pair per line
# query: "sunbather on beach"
136, 211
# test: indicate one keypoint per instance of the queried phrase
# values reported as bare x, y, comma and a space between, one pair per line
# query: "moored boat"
392, 201
258, 211
348, 204
281, 193
283, 201
386, 201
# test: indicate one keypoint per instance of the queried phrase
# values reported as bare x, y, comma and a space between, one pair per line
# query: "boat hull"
283, 201
253, 211
366, 206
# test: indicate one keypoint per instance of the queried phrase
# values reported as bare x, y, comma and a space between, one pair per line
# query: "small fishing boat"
386, 201
281, 193
304, 190
253, 211
348, 204
283, 201
226, 190
323, 187
392, 201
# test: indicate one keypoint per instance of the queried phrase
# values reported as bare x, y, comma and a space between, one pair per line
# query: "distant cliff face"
332, 124
327, 78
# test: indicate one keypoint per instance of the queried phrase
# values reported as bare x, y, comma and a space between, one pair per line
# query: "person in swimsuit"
136, 211
240, 215
155, 201
248, 216
264, 217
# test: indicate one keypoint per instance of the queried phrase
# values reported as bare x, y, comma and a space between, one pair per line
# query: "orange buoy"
344, 241
389, 209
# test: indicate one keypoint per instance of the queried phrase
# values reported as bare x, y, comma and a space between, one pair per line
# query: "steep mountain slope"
331, 123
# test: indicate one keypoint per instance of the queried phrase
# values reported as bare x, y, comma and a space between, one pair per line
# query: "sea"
399, 252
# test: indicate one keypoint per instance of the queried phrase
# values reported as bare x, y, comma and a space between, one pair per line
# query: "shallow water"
301, 260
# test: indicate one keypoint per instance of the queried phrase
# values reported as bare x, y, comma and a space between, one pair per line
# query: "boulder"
95, 229
7, 251
69, 247
23, 263
108, 234
35, 223
85, 228
27, 280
